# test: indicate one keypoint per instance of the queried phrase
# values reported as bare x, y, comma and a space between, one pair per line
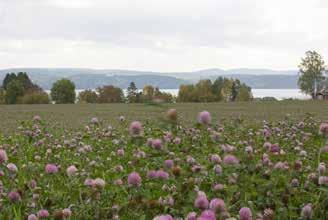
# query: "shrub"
268, 98
2, 96
34, 98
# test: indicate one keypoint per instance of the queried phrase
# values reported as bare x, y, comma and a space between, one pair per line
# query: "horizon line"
137, 70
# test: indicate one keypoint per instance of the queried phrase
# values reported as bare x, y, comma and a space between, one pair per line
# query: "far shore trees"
312, 70
63, 92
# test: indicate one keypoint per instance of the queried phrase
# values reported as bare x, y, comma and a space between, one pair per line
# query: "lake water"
257, 93
260, 93
279, 93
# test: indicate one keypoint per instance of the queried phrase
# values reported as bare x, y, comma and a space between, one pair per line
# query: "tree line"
222, 89
112, 94
19, 89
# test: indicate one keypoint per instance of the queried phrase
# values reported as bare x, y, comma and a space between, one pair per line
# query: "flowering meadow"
165, 169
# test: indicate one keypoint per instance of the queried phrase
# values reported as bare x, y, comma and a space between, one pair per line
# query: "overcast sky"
161, 35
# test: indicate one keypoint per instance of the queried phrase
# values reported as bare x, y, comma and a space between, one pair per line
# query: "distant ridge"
92, 78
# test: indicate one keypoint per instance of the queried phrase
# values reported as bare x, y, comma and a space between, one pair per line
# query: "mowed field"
74, 116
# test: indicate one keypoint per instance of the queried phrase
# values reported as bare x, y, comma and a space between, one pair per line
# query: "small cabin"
322, 95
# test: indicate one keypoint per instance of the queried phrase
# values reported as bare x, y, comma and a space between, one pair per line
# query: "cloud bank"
161, 35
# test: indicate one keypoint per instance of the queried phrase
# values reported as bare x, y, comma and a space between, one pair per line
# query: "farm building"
322, 95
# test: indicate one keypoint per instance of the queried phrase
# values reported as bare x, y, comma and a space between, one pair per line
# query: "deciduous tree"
148, 93
87, 96
63, 92
244, 93
311, 71
110, 94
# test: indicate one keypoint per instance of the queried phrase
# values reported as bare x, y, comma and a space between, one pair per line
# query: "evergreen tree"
8, 78
14, 91
132, 93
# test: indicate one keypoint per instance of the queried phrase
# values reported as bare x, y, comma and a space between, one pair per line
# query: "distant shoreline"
91, 78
